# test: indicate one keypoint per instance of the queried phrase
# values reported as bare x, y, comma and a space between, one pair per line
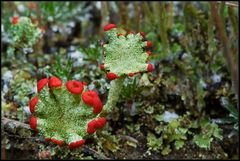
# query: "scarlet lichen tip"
120, 35
130, 74
58, 142
15, 20
150, 68
54, 82
100, 123
142, 34
41, 83
96, 124
149, 43
84, 83
91, 127
97, 105
130, 32
89, 96
76, 144
102, 66
32, 5
47, 139
42, 29
34, 20
75, 87
109, 27
149, 53
33, 103
112, 76
33, 123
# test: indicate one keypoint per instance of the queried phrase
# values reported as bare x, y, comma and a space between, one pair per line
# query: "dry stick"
138, 15
233, 20
170, 13
38, 13
123, 13
162, 27
104, 15
230, 3
148, 14
15, 123
227, 51
222, 7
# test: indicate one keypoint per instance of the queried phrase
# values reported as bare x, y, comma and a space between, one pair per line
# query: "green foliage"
129, 89
174, 132
153, 142
69, 11
233, 116
92, 52
107, 142
209, 131
62, 69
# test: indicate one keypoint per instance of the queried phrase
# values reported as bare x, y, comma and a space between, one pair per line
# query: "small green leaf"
179, 144
202, 141
166, 150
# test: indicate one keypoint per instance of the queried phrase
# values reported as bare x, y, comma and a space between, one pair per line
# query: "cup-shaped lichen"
23, 32
65, 114
125, 55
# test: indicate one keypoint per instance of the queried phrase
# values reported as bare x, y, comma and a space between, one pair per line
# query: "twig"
15, 123
230, 3
129, 138
227, 51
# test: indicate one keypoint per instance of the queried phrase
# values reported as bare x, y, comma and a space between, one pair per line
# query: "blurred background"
187, 108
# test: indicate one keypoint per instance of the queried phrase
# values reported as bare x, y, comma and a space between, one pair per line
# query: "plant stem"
113, 96
226, 49
162, 27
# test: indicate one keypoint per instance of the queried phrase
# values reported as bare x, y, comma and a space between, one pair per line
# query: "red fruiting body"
150, 68
76, 144
142, 34
149, 43
88, 97
120, 35
130, 74
75, 87
84, 83
54, 82
41, 83
102, 66
97, 105
149, 53
33, 123
47, 139
33, 103
34, 20
32, 6
42, 29
91, 127
58, 142
109, 27
129, 33
100, 123
112, 76
15, 20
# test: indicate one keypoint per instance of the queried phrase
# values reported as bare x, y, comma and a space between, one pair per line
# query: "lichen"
65, 113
